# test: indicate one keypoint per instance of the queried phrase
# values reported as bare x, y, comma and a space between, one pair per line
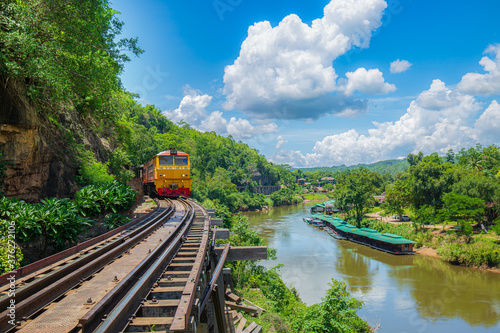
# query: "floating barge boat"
386, 242
314, 221
327, 207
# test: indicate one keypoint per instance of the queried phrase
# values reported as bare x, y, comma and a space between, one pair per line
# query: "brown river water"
400, 293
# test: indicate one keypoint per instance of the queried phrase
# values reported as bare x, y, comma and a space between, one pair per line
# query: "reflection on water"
401, 293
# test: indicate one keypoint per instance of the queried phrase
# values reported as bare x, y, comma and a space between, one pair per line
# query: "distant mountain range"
390, 166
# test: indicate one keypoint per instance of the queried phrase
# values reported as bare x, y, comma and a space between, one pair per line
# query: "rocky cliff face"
41, 164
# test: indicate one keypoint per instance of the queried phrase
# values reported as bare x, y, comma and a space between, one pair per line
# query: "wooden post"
218, 302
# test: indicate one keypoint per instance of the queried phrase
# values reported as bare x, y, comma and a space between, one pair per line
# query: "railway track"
163, 298
40, 295
162, 274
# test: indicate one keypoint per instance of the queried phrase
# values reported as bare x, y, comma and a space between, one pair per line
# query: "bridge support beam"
244, 252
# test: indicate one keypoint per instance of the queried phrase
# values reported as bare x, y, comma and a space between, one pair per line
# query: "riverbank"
433, 253
427, 252
445, 244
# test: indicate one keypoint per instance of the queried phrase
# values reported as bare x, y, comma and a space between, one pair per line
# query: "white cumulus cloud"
400, 66
192, 110
484, 84
488, 125
370, 82
286, 72
281, 142
440, 119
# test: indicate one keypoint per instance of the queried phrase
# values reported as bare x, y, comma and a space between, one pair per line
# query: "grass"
375, 209
268, 319
316, 196
152, 202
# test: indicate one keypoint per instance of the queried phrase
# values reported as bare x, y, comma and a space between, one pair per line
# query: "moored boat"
314, 221
386, 242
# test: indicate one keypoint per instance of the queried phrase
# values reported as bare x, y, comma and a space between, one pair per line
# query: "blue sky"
321, 84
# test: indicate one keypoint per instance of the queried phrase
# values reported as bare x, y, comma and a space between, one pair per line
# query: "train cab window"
181, 160
166, 160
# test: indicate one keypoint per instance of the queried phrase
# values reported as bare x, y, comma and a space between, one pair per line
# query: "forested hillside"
72, 124
390, 166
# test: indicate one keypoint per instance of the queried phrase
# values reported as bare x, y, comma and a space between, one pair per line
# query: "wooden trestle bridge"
162, 272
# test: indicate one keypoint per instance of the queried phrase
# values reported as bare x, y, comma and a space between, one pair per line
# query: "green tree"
64, 50
450, 156
430, 179
459, 207
414, 159
354, 191
463, 209
336, 313
397, 198
478, 185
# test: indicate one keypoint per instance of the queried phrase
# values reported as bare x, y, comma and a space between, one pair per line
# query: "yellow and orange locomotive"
167, 174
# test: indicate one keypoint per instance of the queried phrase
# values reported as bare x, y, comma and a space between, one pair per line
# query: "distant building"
327, 180
380, 199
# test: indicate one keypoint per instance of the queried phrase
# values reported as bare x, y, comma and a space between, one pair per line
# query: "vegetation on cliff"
65, 51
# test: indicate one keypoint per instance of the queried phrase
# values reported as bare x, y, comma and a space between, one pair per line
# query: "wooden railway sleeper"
131, 302
173, 300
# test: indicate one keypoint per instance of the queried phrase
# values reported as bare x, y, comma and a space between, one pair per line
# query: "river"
401, 293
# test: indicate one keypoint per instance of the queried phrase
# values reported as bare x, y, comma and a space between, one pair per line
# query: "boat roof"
326, 203
367, 232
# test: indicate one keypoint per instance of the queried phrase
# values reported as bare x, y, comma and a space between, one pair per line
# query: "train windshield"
166, 160
181, 160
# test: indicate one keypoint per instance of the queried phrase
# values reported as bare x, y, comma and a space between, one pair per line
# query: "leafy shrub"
111, 197
94, 172
118, 161
496, 226
476, 254
336, 313
59, 223
252, 201
91, 171
124, 176
55, 221
10, 257
114, 220
285, 196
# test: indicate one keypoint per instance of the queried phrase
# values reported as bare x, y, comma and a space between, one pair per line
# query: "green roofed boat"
327, 207
387, 242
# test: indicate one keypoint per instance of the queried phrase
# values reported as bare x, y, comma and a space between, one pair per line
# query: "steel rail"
42, 291
92, 319
118, 318
47, 264
215, 276
183, 312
